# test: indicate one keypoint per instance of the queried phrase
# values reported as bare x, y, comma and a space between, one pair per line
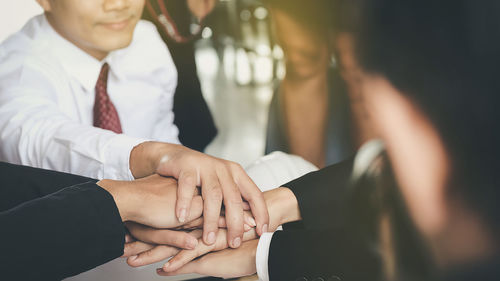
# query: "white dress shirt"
47, 98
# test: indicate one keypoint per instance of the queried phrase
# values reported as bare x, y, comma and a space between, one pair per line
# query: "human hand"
220, 181
229, 263
146, 245
150, 201
281, 203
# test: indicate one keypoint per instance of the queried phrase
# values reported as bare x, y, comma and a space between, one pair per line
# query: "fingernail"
192, 243
246, 227
182, 215
252, 222
264, 228
211, 238
236, 242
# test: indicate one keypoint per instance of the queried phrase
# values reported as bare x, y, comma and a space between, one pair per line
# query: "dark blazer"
320, 247
192, 115
54, 225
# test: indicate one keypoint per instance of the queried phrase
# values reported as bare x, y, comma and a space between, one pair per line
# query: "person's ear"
45, 4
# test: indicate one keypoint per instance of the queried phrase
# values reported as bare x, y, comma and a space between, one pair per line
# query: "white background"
14, 13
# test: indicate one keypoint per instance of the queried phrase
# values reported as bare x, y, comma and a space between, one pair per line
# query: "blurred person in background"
302, 31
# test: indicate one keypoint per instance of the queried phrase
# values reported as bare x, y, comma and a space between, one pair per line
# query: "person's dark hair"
444, 56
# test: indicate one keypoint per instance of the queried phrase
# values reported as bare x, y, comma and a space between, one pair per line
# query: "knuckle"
189, 178
214, 194
234, 202
236, 167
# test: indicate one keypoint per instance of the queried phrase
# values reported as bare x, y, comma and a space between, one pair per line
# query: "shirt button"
334, 278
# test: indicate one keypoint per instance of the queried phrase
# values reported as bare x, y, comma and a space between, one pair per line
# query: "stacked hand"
183, 199
222, 183
148, 245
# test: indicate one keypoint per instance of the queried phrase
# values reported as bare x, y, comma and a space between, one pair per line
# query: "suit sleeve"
22, 183
60, 234
326, 254
321, 195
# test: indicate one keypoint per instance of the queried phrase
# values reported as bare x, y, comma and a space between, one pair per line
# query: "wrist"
145, 157
282, 205
119, 191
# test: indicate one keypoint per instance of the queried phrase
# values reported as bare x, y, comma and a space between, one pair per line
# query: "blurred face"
95, 26
414, 147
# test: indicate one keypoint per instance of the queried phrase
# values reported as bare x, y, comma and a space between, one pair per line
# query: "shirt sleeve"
61, 234
36, 132
262, 256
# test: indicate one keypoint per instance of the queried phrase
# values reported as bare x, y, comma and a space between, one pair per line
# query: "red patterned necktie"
105, 114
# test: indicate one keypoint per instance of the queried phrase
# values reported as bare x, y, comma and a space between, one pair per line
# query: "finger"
233, 208
150, 235
135, 248
156, 254
188, 268
129, 238
249, 219
197, 223
212, 195
251, 193
187, 187
246, 206
228, 263
222, 222
196, 210
186, 256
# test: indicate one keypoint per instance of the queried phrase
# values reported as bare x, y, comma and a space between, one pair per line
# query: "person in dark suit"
55, 225
173, 21
437, 217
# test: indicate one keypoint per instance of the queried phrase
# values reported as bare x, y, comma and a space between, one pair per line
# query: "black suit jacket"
320, 247
54, 225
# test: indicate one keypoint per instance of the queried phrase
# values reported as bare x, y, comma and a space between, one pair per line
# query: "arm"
321, 194
61, 234
81, 226
21, 183
36, 132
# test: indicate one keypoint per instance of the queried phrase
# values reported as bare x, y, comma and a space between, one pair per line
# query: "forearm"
22, 183
60, 235
306, 115
49, 139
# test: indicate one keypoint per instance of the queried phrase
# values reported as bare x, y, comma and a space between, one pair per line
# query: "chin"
113, 44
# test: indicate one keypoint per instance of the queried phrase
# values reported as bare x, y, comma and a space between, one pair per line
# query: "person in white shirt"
93, 63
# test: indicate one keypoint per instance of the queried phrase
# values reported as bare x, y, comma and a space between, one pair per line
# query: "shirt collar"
78, 64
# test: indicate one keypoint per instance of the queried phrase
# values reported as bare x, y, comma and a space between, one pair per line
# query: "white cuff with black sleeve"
262, 255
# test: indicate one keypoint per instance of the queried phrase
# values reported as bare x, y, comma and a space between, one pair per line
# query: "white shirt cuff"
117, 157
262, 256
